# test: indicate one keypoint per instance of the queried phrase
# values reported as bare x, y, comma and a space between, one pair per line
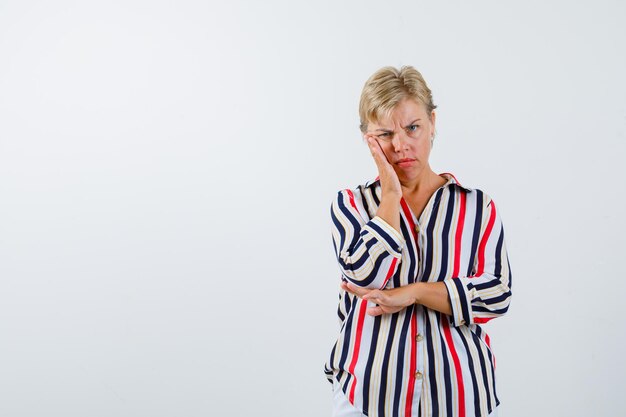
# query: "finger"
374, 311
381, 298
380, 159
354, 289
376, 150
374, 146
351, 287
373, 300
373, 295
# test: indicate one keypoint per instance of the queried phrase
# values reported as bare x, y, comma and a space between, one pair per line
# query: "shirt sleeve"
368, 250
487, 293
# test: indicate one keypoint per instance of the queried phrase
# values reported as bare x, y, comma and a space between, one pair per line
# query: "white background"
167, 168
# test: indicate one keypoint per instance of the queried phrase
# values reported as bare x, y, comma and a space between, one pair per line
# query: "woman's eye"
413, 128
384, 136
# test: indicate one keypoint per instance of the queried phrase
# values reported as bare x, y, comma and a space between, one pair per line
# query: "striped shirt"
419, 362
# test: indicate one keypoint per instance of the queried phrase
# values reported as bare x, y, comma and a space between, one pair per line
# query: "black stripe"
432, 372
375, 196
354, 266
347, 301
496, 300
397, 277
479, 332
382, 392
360, 242
364, 201
497, 270
368, 366
481, 309
476, 234
471, 370
478, 344
466, 312
445, 237
346, 383
346, 338
359, 263
447, 371
495, 391
346, 213
339, 313
413, 250
331, 361
386, 236
428, 257
404, 339
487, 284
339, 375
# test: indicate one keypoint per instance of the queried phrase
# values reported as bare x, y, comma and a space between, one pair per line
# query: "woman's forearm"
389, 211
433, 295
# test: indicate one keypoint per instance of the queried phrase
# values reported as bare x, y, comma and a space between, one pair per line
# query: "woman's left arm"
476, 299
433, 295
487, 293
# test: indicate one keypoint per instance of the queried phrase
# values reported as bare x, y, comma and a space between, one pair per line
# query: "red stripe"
488, 341
392, 268
409, 218
412, 365
357, 345
481, 320
483, 242
352, 200
457, 365
413, 362
361, 318
458, 236
446, 329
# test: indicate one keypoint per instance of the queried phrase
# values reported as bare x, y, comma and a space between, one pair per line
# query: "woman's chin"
408, 174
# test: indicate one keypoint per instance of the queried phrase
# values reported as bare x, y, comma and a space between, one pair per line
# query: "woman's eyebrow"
412, 123
391, 131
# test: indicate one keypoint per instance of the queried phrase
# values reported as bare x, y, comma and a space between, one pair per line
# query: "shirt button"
419, 337
417, 228
418, 375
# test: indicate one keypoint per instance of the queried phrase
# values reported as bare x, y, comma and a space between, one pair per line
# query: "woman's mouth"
406, 162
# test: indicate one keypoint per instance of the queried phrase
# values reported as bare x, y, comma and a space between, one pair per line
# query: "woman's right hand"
389, 181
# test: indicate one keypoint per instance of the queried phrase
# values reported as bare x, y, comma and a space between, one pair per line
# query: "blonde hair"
386, 88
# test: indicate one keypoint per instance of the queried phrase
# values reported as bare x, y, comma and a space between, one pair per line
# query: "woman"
423, 264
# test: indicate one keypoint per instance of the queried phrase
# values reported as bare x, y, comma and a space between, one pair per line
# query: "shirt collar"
451, 179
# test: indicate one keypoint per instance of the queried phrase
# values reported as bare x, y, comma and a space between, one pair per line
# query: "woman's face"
405, 138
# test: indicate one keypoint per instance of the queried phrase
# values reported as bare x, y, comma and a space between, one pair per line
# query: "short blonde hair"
386, 88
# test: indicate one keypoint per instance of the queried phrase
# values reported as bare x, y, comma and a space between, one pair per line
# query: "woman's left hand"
389, 301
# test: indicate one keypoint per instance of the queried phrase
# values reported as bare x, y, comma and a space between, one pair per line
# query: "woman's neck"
425, 183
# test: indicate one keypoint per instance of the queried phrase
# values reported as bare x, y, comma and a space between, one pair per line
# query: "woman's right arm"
368, 251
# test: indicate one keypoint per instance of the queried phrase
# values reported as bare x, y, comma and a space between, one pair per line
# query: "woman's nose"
400, 140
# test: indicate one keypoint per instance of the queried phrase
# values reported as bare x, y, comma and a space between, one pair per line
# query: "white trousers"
343, 408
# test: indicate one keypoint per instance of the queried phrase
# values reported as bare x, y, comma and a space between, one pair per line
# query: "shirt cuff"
390, 238
460, 300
